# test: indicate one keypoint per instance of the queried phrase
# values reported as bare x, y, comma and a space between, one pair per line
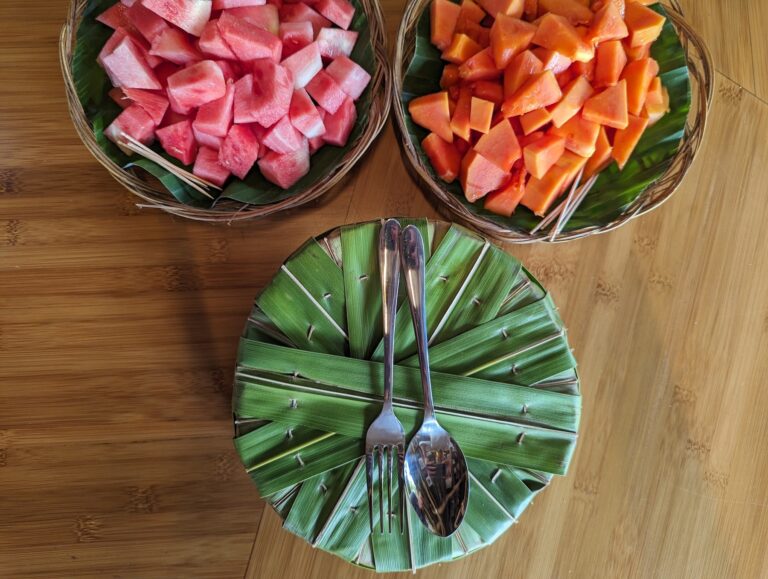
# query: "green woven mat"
309, 381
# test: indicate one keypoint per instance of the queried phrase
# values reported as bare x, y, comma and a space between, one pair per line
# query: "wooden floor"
118, 331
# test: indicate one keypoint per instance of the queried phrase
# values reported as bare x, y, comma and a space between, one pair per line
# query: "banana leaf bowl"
654, 172
309, 380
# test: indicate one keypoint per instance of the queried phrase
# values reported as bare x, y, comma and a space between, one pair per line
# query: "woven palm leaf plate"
309, 381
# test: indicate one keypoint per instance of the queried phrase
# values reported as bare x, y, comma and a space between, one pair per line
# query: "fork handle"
389, 267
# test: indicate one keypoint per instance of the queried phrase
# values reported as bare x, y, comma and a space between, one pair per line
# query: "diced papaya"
644, 24
543, 154
609, 108
479, 176
541, 193
489, 90
625, 141
475, 31
504, 201
585, 69
471, 11
565, 78
602, 157
481, 66
509, 37
552, 60
450, 76
444, 157
522, 67
541, 90
574, 97
443, 15
657, 102
607, 25
611, 60
533, 121
580, 135
639, 75
500, 145
462, 48
462, 146
432, 112
480, 115
573, 10
460, 119
512, 8
636, 52
530, 10
620, 5
526, 140
556, 33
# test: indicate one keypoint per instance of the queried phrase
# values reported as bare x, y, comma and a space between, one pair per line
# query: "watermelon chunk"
239, 150
286, 169
326, 92
339, 125
213, 44
224, 4
155, 105
189, 15
207, 167
340, 12
282, 137
264, 17
149, 24
248, 41
305, 116
179, 142
117, 95
334, 42
197, 84
127, 67
174, 45
215, 117
350, 76
263, 97
316, 143
165, 70
206, 140
295, 36
231, 70
133, 121
176, 108
304, 64
302, 13
116, 16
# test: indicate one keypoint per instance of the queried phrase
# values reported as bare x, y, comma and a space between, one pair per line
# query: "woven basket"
700, 68
152, 193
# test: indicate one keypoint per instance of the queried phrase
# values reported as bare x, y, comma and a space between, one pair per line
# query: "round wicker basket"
701, 71
152, 193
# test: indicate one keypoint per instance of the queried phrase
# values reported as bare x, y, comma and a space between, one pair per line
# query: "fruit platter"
549, 119
226, 109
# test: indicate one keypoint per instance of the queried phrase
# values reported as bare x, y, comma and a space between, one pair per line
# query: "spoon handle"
412, 255
389, 266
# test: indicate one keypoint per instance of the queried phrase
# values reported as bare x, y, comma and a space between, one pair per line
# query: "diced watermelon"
177, 108
340, 12
239, 150
155, 105
305, 116
189, 15
248, 41
117, 95
264, 17
197, 84
174, 45
334, 42
212, 43
295, 36
285, 170
133, 121
127, 67
224, 4
350, 76
304, 64
231, 70
339, 125
206, 140
145, 21
172, 117
215, 117
300, 13
207, 167
166, 70
116, 16
315, 144
263, 97
282, 137
326, 92
179, 142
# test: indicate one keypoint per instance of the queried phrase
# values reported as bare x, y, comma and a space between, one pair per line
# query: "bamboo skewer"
572, 203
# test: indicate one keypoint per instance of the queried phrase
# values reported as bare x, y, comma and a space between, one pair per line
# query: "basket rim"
156, 197
701, 70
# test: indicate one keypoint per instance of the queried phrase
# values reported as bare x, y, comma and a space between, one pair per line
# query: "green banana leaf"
309, 382
614, 190
93, 86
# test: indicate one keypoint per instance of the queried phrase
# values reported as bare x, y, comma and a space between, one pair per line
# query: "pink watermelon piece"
175, 46
248, 41
340, 12
304, 64
326, 92
305, 116
335, 42
339, 125
154, 104
215, 117
141, 44
263, 97
128, 2
116, 16
179, 142
165, 70
295, 36
133, 121
230, 70
197, 84
212, 43
265, 17
207, 167
350, 76
206, 140
177, 108
302, 13
145, 21
315, 144
239, 150
286, 169
282, 137
172, 117
117, 95
224, 4
127, 67
189, 15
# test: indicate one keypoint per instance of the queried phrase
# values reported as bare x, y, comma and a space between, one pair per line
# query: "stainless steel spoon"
435, 468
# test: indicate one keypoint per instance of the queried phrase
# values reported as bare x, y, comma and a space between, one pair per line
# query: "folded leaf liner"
309, 381
653, 173
92, 111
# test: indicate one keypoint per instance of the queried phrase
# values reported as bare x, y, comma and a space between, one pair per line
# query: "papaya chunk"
625, 141
639, 75
602, 157
580, 135
480, 115
481, 66
541, 193
607, 25
444, 157
541, 90
573, 10
556, 33
462, 47
460, 119
574, 97
500, 145
543, 154
522, 67
432, 112
611, 60
644, 24
504, 201
609, 108
443, 15
533, 121
479, 176
509, 37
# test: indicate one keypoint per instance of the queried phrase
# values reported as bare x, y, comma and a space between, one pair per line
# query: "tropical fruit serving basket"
309, 381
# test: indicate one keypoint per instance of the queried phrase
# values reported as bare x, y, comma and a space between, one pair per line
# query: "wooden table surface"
119, 327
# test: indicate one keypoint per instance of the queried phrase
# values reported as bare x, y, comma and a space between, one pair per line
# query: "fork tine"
369, 480
381, 487
389, 488
401, 485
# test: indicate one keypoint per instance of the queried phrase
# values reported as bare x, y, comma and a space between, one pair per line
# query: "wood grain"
118, 331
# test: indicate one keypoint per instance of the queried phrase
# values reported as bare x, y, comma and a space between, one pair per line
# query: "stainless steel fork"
385, 440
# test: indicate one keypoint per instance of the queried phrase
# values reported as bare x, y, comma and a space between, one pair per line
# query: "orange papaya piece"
479, 176
500, 145
565, 78
639, 74
489, 90
443, 15
460, 118
620, 5
522, 67
643, 23
541, 193
450, 76
625, 141
481, 66
504, 201
543, 154
480, 115
512, 8
475, 31
526, 140
607, 25
574, 97
533, 121
443, 156
471, 11
636, 52
657, 102
585, 69
541, 90
530, 10
432, 112
602, 157
580, 135
552, 60
573, 10
609, 108
509, 37
611, 60
556, 33
462, 47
